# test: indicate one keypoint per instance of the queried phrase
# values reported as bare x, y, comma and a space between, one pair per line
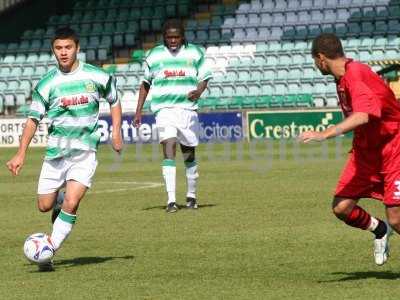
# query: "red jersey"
362, 90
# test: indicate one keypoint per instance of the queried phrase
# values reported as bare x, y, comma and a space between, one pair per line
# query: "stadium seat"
9, 99
262, 101
208, 103
304, 100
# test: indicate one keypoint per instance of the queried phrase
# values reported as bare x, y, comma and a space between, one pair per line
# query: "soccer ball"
38, 248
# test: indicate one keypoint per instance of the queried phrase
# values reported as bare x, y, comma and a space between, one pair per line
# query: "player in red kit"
373, 168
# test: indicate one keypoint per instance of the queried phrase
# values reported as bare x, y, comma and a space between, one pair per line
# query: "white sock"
61, 228
169, 174
373, 224
191, 179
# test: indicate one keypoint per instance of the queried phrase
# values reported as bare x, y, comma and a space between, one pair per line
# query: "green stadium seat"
36, 45
134, 15
304, 100
256, 76
20, 58
156, 24
145, 25
223, 103
170, 10
228, 90
9, 99
130, 39
20, 98
31, 58
262, 101
79, 5
100, 15
183, 9
113, 16
89, 17
27, 72
235, 102
241, 90
277, 100
16, 72
123, 15
214, 36
208, 102
248, 102
290, 100
97, 29
76, 17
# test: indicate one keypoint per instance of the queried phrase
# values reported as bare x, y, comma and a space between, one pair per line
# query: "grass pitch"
264, 230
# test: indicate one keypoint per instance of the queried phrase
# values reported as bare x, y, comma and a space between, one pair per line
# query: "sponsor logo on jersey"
90, 87
65, 102
174, 73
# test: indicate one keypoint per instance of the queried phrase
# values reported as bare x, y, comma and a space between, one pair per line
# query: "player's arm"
353, 121
143, 92
195, 94
16, 163
116, 117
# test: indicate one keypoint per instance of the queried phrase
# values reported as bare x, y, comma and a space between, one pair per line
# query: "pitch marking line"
147, 185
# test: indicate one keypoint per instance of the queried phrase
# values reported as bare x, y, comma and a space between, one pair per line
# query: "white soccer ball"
38, 248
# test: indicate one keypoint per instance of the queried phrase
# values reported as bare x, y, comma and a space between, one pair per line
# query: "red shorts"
372, 173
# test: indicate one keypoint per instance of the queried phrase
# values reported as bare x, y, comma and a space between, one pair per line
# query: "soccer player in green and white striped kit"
69, 95
175, 77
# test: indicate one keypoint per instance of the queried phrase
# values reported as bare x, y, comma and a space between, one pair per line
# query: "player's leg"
80, 170
169, 172
50, 181
166, 120
189, 156
353, 215
188, 137
46, 201
64, 222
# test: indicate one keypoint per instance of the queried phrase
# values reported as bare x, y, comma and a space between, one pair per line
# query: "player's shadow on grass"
351, 276
88, 260
183, 207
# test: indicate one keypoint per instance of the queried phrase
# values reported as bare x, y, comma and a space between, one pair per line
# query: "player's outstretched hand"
137, 121
117, 142
15, 164
194, 95
311, 136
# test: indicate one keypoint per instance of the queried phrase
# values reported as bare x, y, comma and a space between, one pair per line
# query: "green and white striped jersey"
171, 77
71, 102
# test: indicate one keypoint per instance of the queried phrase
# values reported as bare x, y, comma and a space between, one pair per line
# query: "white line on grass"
147, 185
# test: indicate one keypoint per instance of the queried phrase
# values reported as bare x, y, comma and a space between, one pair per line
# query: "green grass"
264, 230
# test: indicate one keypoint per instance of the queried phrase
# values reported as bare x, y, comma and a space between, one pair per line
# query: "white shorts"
56, 172
182, 124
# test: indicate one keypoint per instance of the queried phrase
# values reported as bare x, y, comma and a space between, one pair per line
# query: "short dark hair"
64, 33
174, 24
327, 44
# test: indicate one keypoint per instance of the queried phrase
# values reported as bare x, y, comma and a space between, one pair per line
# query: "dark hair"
327, 44
174, 24
64, 33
